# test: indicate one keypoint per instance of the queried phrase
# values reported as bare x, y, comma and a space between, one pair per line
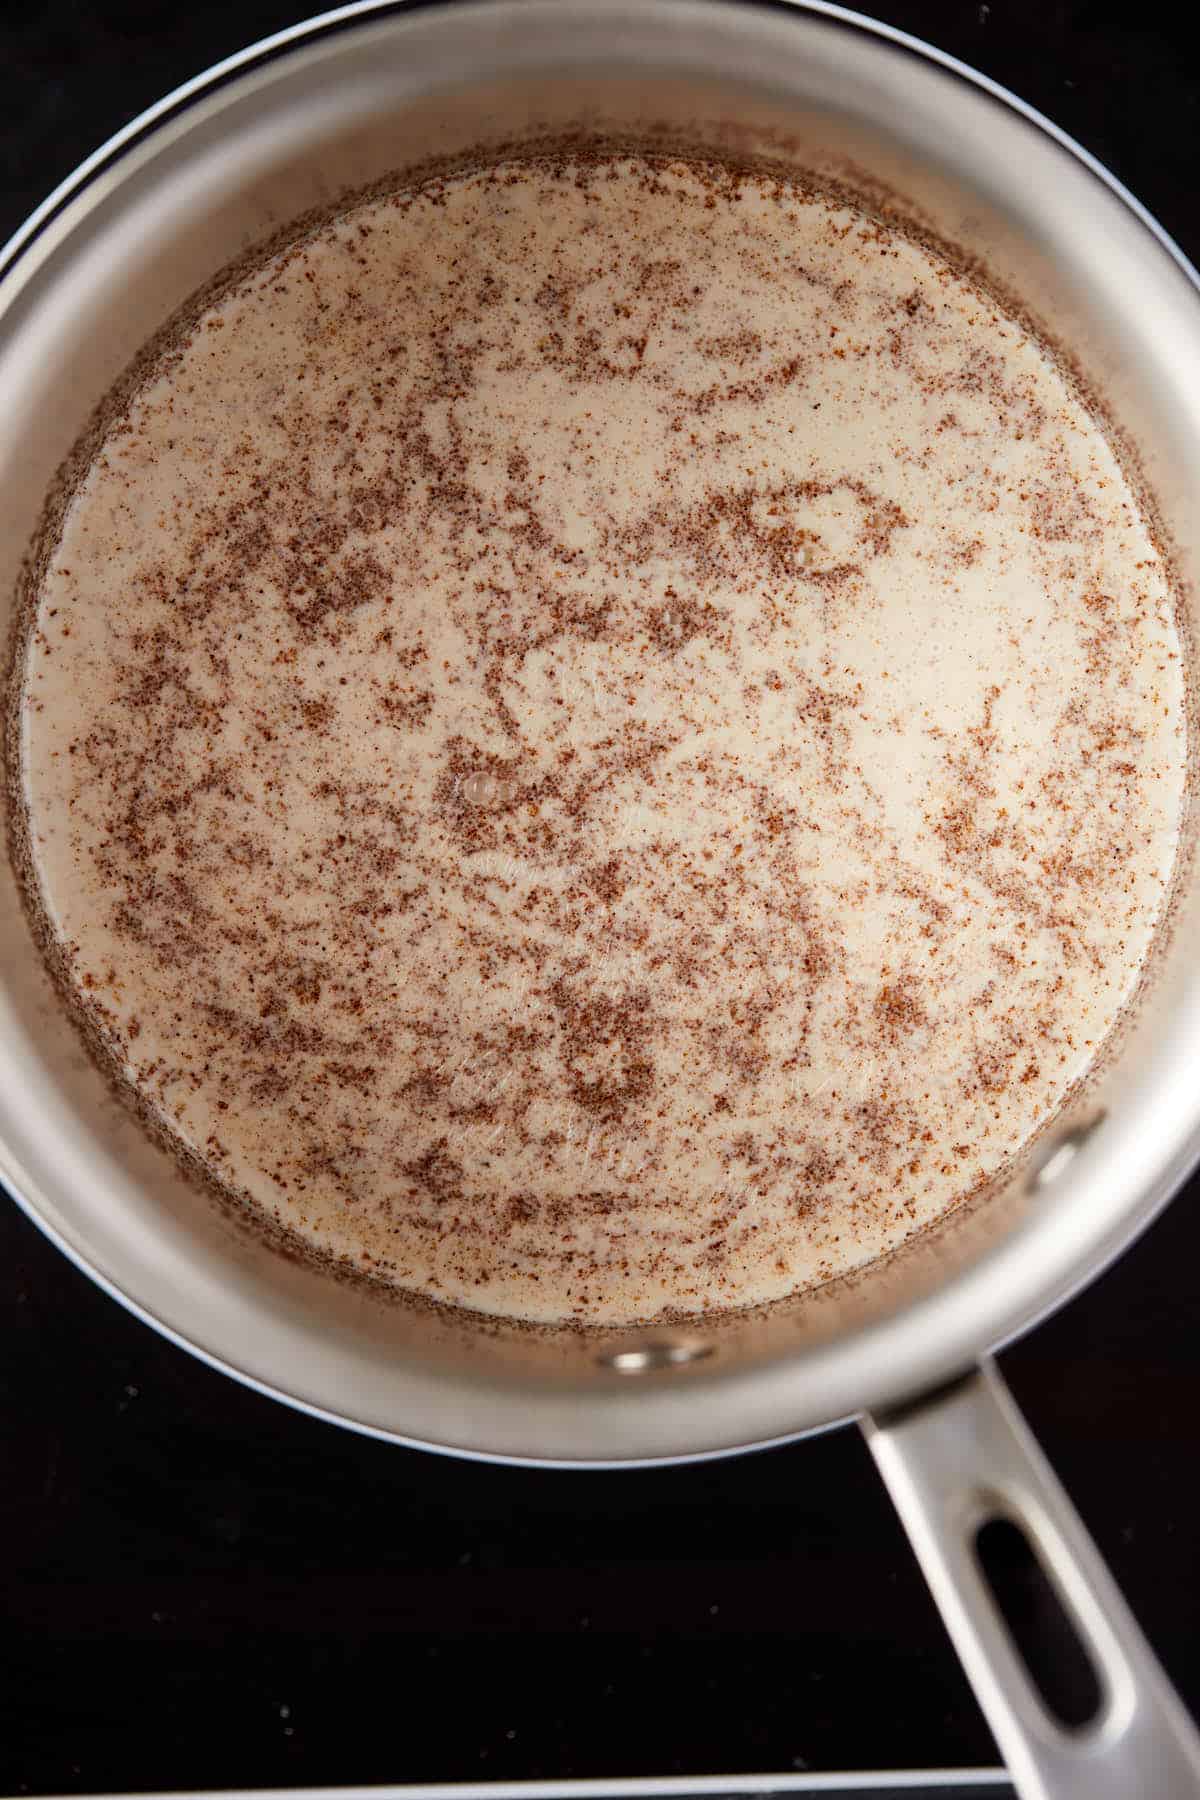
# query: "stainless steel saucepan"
330, 106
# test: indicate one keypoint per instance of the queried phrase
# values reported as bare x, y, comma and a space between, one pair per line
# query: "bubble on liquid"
484, 789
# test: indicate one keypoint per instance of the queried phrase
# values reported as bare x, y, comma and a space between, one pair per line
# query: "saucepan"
903, 1347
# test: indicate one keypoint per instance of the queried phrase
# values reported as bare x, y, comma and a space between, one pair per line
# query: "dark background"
204, 1589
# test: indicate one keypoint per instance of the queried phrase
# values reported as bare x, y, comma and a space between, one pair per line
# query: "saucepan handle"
963, 1456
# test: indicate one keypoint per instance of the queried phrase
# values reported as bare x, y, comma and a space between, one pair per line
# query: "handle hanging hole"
1041, 1629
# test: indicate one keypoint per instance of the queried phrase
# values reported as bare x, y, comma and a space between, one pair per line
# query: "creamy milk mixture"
603, 737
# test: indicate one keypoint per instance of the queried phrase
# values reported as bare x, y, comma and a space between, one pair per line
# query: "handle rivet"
648, 1357
1058, 1152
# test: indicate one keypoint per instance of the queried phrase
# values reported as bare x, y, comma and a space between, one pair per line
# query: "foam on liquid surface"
602, 739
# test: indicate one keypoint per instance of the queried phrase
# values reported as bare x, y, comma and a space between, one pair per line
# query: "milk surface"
604, 737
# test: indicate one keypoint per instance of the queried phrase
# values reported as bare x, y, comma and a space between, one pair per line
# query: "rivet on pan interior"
653, 1356
1059, 1152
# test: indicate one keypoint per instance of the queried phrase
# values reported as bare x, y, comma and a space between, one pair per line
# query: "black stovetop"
206, 1590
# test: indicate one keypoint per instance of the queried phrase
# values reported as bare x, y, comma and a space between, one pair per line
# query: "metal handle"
960, 1457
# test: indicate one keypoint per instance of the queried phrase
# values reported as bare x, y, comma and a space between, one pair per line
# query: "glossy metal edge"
240, 66
882, 1782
